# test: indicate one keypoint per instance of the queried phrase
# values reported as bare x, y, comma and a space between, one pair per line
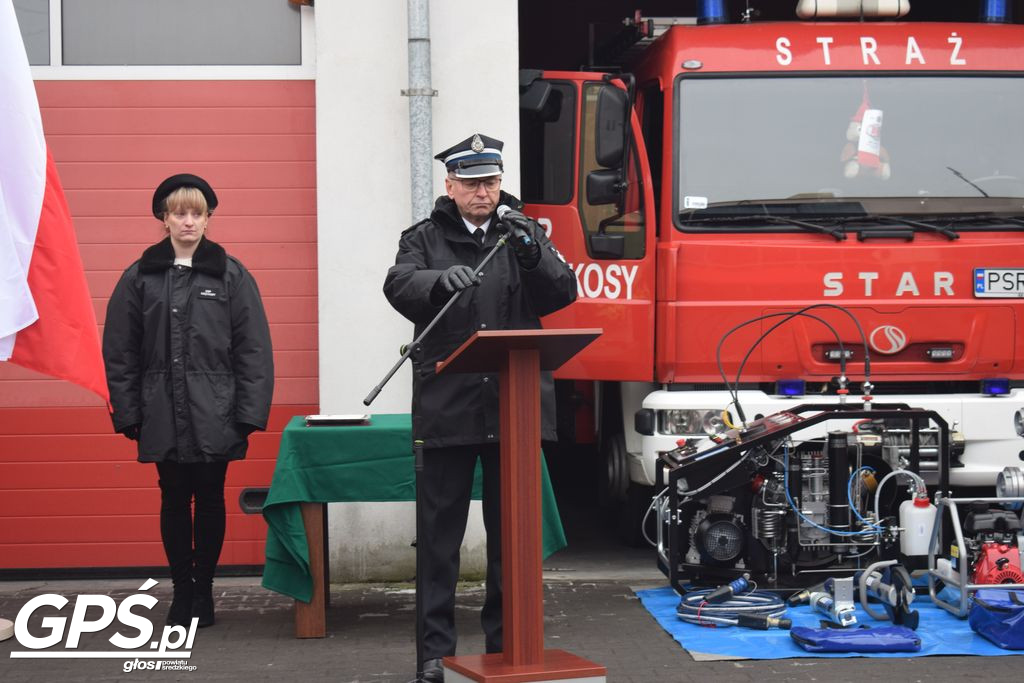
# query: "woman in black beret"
191, 374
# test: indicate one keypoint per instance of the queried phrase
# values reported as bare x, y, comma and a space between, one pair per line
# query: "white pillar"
364, 202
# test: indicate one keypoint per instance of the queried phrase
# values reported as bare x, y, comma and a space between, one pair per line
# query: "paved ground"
371, 639
590, 610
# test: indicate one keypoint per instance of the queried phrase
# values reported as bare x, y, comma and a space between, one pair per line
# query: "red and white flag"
47, 321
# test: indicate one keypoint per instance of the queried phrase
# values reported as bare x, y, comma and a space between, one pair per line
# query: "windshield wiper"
690, 219
987, 218
898, 220
964, 178
838, 233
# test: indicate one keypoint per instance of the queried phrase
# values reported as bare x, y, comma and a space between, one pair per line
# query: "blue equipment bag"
882, 639
998, 615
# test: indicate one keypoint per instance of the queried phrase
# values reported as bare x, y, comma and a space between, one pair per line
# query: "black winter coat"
459, 409
188, 357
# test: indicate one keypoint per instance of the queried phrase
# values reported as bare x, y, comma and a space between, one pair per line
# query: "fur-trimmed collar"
209, 257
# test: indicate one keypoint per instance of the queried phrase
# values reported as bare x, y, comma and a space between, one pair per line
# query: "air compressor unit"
792, 511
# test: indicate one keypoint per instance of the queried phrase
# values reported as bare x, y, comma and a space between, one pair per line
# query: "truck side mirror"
604, 186
603, 245
611, 126
534, 97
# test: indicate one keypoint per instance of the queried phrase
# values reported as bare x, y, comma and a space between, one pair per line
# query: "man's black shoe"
433, 672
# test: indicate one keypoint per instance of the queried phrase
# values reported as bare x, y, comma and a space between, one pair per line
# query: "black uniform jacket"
188, 356
458, 409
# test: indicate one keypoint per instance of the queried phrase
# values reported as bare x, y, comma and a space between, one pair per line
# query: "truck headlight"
1018, 421
702, 422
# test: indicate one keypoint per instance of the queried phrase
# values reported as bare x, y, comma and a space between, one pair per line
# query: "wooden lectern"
519, 356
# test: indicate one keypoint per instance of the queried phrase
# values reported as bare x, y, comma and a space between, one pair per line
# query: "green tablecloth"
362, 463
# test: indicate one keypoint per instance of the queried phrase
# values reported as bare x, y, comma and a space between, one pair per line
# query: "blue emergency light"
711, 12
995, 387
996, 12
790, 387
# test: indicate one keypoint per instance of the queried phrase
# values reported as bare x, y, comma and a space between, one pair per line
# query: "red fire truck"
740, 170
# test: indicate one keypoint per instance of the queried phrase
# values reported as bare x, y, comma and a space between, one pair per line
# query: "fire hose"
734, 604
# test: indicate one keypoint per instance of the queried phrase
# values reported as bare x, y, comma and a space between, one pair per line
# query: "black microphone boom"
413, 346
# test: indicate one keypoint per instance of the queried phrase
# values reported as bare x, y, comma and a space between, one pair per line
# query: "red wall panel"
71, 493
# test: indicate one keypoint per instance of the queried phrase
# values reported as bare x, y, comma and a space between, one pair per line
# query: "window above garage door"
156, 39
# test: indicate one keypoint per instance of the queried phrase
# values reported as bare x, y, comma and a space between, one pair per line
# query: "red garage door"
71, 493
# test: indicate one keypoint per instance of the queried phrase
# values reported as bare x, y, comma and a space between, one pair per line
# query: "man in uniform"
456, 415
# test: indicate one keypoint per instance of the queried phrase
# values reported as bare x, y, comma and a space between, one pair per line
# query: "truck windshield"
911, 142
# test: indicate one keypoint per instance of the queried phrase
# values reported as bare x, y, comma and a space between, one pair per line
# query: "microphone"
517, 221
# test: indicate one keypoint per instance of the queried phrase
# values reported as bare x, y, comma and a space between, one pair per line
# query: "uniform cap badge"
477, 145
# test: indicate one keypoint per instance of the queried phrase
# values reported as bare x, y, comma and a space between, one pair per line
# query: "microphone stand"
412, 350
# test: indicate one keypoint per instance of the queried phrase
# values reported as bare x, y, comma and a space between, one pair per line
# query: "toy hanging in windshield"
863, 154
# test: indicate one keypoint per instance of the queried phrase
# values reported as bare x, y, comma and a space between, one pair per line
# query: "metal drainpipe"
420, 123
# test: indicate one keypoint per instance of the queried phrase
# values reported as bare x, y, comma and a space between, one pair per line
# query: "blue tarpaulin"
941, 632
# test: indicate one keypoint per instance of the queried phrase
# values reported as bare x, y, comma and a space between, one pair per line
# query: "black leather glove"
454, 279
524, 245
527, 250
131, 432
245, 429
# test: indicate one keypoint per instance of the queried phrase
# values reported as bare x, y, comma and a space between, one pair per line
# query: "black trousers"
192, 543
446, 489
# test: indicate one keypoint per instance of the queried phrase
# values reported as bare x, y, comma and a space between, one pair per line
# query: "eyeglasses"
473, 184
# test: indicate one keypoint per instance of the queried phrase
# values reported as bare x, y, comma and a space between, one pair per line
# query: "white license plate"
1004, 283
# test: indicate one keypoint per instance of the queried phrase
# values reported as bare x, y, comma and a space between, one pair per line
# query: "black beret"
182, 180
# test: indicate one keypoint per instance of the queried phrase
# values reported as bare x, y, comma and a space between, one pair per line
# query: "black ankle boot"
202, 605
180, 613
